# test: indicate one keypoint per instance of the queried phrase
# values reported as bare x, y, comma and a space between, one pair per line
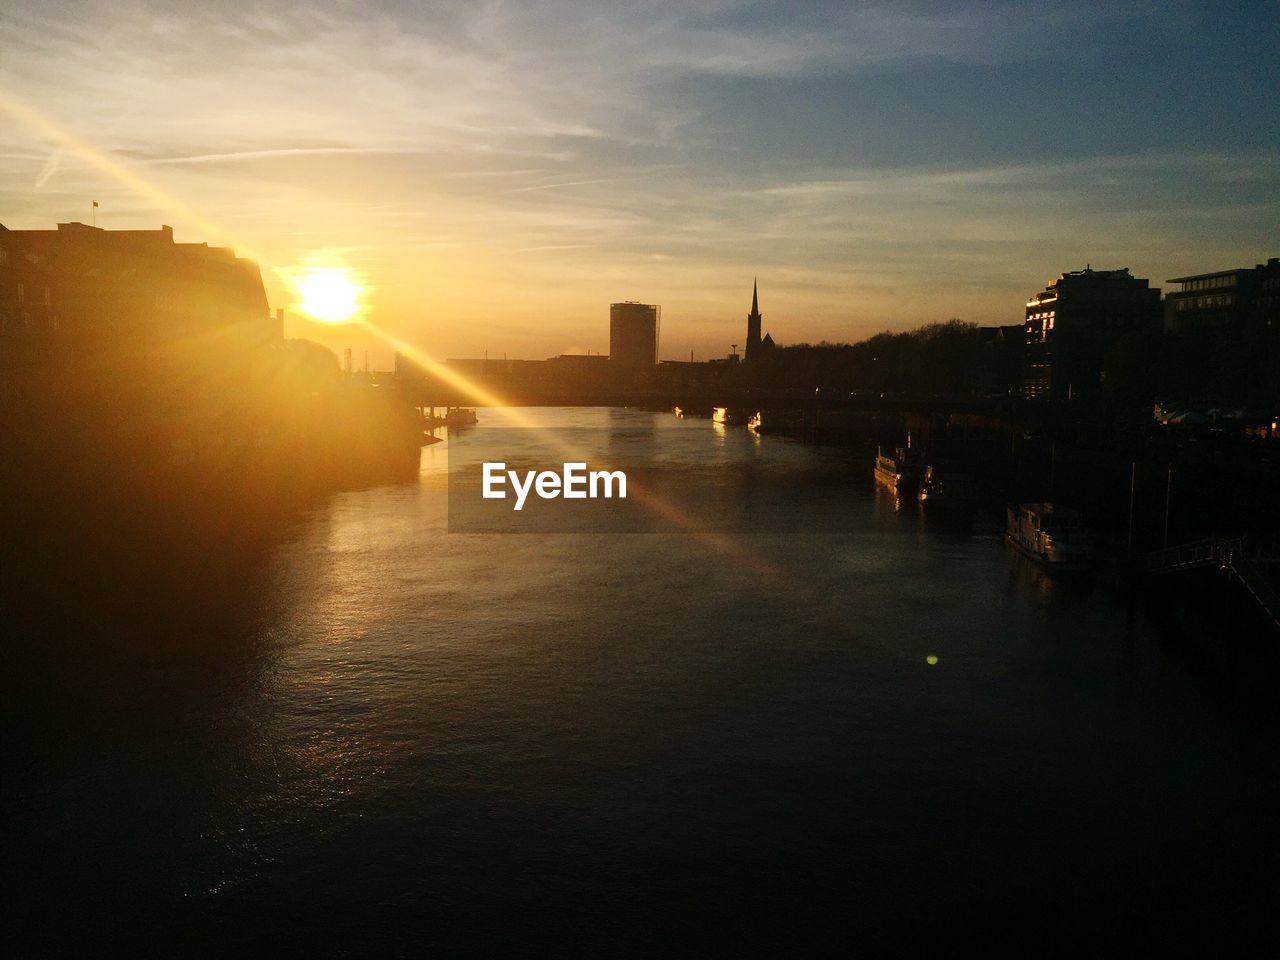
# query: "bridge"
1241, 558
696, 397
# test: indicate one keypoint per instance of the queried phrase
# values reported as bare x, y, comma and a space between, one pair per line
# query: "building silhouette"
1240, 299
137, 362
116, 298
1072, 323
126, 341
633, 334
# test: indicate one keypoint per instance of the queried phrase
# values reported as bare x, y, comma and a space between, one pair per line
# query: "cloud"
389, 76
283, 153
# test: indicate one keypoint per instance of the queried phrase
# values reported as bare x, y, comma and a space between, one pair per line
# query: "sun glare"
329, 294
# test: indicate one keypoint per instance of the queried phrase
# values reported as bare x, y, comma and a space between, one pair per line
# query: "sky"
498, 173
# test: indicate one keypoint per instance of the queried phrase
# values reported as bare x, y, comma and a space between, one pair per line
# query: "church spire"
753, 324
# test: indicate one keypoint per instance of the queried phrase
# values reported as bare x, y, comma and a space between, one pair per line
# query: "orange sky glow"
493, 178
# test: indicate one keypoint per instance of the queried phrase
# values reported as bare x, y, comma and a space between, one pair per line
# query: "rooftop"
1271, 262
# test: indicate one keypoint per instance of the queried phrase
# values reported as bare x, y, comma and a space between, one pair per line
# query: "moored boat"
947, 488
734, 416
1054, 537
899, 471
460, 417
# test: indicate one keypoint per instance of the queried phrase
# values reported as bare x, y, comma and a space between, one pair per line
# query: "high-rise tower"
633, 334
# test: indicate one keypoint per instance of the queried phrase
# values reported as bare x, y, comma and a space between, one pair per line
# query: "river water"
393, 738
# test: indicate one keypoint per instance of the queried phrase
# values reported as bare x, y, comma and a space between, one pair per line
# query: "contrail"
50, 168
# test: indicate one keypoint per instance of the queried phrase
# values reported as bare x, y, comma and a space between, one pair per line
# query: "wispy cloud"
381, 74
284, 153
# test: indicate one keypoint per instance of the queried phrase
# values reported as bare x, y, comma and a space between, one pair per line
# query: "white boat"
734, 416
899, 471
1054, 537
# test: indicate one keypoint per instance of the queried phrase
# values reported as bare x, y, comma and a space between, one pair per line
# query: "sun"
329, 294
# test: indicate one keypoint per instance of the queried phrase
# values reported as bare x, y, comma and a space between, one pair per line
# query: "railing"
1262, 588
1198, 553
1237, 557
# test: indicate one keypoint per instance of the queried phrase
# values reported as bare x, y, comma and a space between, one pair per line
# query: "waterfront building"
1070, 325
578, 361
1240, 299
633, 334
127, 346
566, 378
126, 297
28, 317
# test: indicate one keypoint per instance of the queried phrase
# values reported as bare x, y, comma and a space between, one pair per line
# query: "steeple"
752, 348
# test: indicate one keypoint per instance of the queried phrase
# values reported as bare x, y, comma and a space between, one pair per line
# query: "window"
22, 293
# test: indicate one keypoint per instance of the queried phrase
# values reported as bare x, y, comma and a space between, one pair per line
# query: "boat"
899, 471
734, 416
1054, 537
947, 488
460, 417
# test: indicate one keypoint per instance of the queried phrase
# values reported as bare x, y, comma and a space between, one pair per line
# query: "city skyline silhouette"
491, 178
